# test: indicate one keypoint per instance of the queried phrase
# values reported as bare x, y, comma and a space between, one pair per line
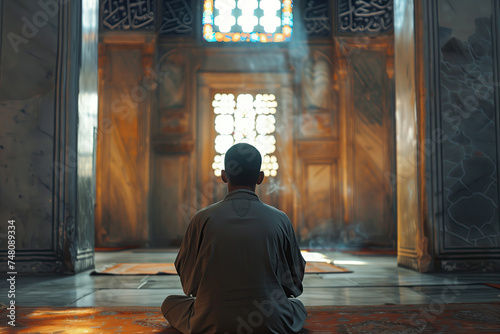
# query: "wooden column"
127, 84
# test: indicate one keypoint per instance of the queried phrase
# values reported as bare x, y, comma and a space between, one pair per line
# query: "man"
239, 263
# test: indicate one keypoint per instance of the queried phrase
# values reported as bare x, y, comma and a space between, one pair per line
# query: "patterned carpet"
169, 269
434, 318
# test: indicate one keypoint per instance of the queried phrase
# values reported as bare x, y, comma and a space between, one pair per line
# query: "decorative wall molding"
319, 98
35, 261
469, 265
128, 14
365, 17
318, 148
317, 76
173, 78
37, 267
163, 145
407, 261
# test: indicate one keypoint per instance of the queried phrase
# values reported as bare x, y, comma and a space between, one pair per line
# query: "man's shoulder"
206, 210
269, 210
273, 209
276, 215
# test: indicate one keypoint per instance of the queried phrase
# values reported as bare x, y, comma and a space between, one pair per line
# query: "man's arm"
296, 263
185, 262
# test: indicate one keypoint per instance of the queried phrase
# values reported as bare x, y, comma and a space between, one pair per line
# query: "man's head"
242, 166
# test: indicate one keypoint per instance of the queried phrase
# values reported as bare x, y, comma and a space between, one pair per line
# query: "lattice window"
247, 20
248, 119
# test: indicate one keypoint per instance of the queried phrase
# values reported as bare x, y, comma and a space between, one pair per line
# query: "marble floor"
374, 280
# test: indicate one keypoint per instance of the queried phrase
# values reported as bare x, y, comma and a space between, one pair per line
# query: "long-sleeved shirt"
240, 259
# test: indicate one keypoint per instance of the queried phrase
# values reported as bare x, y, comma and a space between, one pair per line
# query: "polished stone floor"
374, 280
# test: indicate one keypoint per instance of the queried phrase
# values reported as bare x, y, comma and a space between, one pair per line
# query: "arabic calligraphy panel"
128, 14
317, 19
369, 16
177, 17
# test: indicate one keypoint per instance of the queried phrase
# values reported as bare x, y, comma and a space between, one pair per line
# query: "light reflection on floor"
374, 280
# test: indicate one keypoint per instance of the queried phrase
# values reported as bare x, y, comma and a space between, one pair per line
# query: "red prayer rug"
434, 318
371, 252
169, 269
493, 285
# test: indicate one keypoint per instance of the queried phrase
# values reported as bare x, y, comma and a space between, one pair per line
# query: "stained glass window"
260, 21
248, 119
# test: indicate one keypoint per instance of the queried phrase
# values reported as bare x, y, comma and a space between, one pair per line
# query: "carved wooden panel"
128, 14
121, 163
318, 124
173, 208
319, 98
320, 205
371, 126
174, 122
177, 18
317, 77
317, 18
173, 79
364, 17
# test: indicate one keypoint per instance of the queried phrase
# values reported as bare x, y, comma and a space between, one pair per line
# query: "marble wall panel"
87, 125
469, 120
448, 141
48, 78
27, 92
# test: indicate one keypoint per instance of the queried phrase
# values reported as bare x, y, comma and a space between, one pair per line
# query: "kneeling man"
239, 262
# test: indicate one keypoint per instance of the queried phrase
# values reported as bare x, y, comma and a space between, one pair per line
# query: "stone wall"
48, 99
454, 138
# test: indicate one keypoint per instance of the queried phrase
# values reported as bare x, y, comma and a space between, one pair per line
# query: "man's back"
241, 261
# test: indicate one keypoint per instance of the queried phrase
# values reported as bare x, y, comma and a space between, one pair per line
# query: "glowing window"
260, 21
248, 119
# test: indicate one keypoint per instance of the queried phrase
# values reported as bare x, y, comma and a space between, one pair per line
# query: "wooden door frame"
277, 82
